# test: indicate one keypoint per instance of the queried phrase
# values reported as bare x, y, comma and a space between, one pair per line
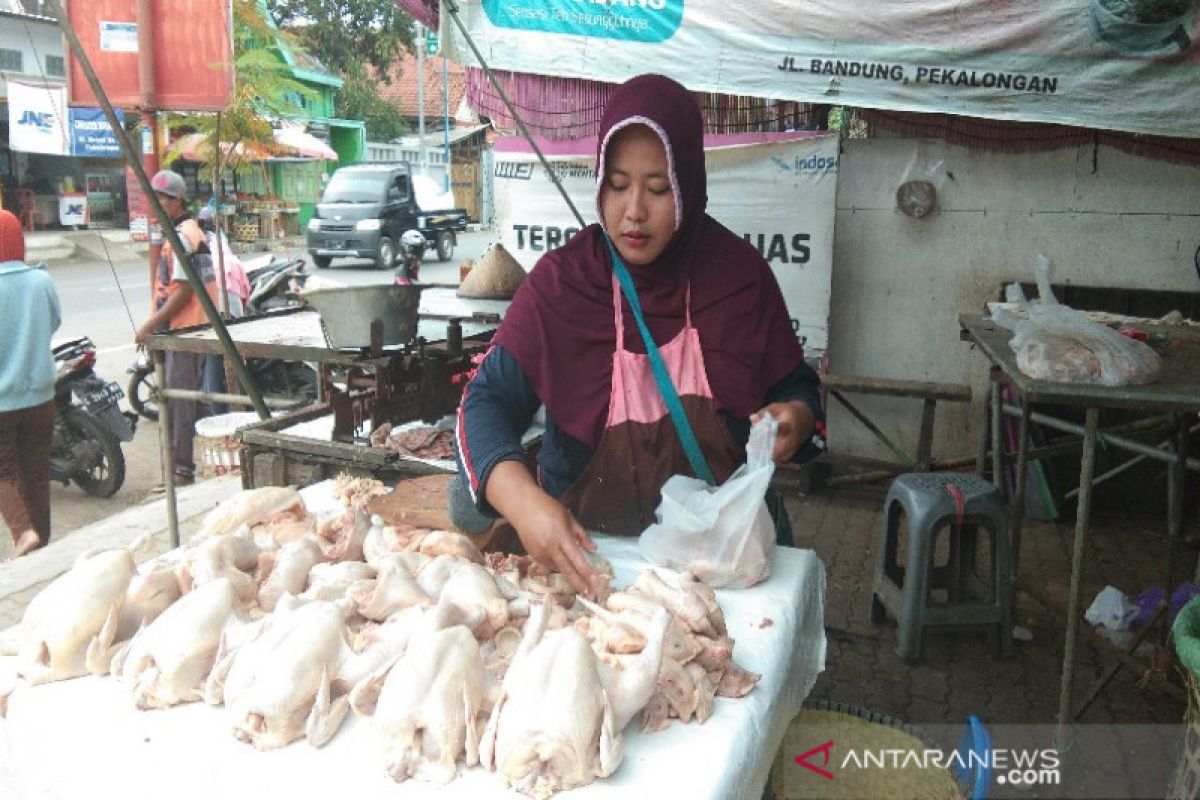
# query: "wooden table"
1176, 394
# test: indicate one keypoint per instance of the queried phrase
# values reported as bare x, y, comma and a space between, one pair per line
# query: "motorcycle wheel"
301, 381
445, 246
107, 474
143, 392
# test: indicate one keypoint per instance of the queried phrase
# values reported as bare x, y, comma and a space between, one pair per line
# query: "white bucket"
217, 446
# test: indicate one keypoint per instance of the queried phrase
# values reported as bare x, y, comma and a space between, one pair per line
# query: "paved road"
107, 301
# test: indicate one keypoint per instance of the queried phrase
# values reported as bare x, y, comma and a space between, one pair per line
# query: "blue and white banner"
91, 135
37, 119
777, 191
1130, 65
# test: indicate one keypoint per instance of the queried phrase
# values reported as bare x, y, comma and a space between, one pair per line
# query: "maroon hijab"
560, 324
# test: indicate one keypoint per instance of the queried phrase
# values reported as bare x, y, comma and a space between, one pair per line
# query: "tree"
359, 99
346, 34
264, 88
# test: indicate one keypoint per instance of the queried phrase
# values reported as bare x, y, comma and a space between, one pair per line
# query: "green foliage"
346, 34
359, 99
263, 88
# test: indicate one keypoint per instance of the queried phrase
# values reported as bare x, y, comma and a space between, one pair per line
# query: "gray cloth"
463, 513
185, 371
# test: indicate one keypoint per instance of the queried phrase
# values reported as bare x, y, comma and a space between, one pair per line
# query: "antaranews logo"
1022, 767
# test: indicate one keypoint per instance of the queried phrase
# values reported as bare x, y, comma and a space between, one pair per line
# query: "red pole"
149, 113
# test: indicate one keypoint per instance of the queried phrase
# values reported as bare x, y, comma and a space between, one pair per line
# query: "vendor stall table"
79, 737
1176, 394
409, 381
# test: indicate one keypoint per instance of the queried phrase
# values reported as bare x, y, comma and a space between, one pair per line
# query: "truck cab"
366, 208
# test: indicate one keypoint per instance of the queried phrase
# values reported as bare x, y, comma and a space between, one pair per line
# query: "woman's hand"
796, 422
551, 535
555, 539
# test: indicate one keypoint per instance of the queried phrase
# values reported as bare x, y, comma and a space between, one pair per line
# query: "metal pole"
446, 122
452, 8
185, 260
216, 201
1086, 467
1131, 445
421, 99
149, 115
166, 446
1175, 478
1018, 507
997, 441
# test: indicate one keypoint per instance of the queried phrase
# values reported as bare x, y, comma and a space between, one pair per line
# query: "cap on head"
12, 238
169, 183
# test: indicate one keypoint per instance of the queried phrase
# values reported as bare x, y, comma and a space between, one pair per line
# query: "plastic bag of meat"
723, 535
1058, 343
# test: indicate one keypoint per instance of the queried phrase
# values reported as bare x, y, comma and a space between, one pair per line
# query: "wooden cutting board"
421, 502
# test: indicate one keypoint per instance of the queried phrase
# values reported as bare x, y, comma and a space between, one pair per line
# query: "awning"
289, 142
295, 139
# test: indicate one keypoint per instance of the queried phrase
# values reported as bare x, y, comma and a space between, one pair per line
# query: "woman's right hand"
554, 538
549, 532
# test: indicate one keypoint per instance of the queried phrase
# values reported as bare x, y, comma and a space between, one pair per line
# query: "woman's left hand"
795, 426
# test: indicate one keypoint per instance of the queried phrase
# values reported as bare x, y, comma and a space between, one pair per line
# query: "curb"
119, 530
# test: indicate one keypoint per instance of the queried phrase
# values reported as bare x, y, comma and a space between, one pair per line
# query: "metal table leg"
1087, 465
997, 441
1018, 504
166, 445
982, 444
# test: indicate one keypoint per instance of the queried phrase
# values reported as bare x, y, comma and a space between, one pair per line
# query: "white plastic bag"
1058, 343
724, 534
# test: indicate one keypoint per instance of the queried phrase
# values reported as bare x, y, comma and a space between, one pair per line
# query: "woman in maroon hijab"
572, 342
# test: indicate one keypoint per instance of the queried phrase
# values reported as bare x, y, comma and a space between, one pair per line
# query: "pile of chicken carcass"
291, 621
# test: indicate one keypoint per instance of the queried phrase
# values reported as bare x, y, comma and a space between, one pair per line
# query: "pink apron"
639, 448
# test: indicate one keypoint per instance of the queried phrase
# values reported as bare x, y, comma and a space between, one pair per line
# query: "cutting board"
420, 502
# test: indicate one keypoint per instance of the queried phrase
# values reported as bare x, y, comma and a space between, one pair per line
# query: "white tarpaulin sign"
37, 119
1128, 65
775, 190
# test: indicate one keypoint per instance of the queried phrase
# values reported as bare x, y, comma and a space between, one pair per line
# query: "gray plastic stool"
930, 507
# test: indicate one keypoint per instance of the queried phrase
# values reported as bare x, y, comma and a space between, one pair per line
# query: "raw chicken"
148, 595
332, 581
77, 613
557, 723
342, 535
448, 543
291, 679
222, 557
395, 589
426, 711
471, 588
289, 572
167, 661
248, 507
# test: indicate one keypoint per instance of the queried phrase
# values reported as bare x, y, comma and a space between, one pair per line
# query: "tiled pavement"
958, 675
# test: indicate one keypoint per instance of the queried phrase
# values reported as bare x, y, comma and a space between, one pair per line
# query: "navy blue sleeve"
801, 384
496, 409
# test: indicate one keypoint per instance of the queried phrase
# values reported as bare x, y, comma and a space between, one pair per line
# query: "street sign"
431, 43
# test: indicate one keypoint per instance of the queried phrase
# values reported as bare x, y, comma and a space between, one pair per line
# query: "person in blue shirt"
29, 315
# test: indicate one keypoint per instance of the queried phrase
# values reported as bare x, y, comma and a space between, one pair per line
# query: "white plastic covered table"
84, 738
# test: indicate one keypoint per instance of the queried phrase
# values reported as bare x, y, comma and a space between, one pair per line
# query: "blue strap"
691, 448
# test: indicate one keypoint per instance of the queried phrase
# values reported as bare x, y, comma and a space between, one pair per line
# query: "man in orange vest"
177, 306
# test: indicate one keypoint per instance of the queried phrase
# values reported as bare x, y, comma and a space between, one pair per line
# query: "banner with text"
92, 136
1112, 64
777, 191
37, 119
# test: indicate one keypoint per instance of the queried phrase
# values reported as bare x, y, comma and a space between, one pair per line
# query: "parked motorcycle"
88, 426
274, 283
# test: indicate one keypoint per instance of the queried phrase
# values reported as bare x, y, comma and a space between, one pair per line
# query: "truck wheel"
385, 254
321, 261
445, 246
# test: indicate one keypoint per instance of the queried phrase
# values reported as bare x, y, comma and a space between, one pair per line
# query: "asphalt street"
106, 301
